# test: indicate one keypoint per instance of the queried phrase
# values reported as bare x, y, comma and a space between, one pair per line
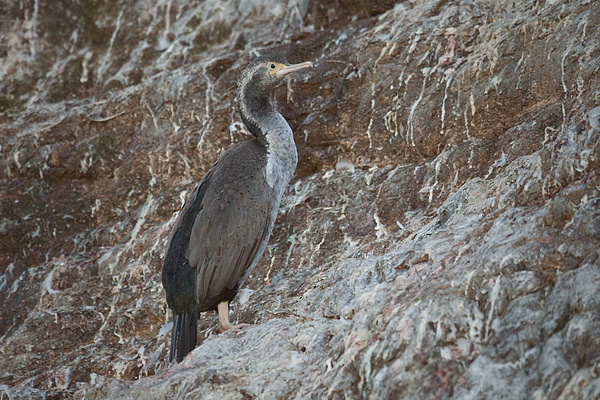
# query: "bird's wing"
227, 234
191, 207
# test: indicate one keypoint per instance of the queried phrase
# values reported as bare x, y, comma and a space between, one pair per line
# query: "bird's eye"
272, 66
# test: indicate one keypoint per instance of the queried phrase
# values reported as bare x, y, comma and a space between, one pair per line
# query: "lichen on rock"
441, 237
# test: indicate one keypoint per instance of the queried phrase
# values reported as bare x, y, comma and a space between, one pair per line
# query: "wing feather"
228, 235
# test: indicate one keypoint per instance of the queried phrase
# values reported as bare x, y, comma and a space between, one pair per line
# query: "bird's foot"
233, 328
224, 325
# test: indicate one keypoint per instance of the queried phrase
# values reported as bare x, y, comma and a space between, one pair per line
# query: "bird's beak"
292, 68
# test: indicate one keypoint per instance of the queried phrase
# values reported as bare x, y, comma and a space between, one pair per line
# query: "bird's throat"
270, 129
265, 123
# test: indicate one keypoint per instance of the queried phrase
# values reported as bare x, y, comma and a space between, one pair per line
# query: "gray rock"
458, 257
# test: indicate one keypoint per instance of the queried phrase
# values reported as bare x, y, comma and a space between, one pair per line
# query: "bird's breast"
280, 169
282, 155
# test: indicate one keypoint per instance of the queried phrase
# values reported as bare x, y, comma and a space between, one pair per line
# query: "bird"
223, 227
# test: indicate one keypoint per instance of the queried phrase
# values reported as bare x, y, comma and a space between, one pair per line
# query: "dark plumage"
223, 228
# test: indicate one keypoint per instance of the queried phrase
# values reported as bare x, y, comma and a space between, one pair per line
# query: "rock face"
441, 239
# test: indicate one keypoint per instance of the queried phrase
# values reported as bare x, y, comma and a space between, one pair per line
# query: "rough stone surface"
441, 238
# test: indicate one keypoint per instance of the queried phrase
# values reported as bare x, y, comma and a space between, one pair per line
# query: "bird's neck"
272, 130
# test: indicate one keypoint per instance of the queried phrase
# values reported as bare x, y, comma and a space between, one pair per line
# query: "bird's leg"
223, 312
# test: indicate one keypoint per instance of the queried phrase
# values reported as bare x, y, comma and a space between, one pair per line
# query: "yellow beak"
292, 68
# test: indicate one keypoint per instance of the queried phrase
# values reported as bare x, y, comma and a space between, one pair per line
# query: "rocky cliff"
440, 240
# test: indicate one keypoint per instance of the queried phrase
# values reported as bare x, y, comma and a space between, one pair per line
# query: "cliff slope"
440, 240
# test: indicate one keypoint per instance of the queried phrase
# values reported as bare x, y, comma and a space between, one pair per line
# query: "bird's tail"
183, 336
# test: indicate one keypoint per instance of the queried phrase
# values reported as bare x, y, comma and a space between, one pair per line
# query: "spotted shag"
222, 230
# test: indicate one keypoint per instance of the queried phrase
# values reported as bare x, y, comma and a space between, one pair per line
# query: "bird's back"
221, 232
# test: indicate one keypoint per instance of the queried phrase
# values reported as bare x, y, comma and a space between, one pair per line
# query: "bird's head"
266, 71
256, 84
